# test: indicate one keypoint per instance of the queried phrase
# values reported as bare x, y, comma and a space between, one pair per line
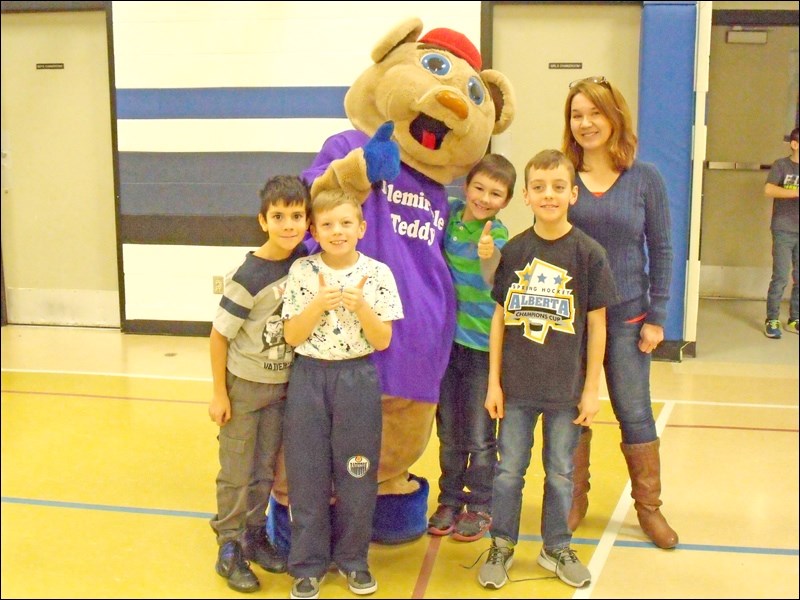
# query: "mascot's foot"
278, 526
399, 518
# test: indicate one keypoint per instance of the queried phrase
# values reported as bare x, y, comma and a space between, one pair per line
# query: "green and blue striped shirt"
475, 305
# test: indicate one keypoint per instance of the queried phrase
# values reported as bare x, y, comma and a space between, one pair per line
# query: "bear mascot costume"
424, 114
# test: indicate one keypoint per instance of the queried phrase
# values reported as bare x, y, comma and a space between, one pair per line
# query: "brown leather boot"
580, 480
644, 467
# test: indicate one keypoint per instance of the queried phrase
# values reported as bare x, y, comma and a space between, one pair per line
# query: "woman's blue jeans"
627, 372
515, 442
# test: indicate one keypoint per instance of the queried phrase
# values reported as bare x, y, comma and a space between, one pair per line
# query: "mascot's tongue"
429, 132
429, 140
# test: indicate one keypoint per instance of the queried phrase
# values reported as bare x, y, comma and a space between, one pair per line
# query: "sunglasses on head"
599, 79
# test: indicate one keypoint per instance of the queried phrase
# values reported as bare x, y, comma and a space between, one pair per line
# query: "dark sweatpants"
332, 440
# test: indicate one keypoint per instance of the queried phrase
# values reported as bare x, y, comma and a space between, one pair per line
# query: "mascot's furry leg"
401, 512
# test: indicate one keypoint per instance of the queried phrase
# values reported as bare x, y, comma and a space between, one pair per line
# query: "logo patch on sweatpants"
358, 466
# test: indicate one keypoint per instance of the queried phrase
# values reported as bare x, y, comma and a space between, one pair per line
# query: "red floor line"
101, 396
726, 427
427, 567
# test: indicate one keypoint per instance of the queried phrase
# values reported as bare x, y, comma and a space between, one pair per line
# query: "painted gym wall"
212, 98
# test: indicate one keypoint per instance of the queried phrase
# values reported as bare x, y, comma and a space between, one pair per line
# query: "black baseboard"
182, 328
674, 351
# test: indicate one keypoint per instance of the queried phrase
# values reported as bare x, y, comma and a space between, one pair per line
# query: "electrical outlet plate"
218, 283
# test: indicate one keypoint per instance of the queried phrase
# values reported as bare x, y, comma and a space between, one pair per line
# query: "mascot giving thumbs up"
424, 114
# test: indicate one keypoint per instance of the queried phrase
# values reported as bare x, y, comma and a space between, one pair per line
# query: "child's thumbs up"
486, 242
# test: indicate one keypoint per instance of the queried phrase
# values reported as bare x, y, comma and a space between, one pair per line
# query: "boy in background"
782, 187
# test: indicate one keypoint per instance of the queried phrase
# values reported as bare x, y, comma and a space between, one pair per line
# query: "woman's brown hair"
611, 103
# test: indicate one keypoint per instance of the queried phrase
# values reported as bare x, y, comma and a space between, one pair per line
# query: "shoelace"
565, 555
497, 555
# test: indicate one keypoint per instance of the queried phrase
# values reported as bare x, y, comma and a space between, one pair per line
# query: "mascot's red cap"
455, 42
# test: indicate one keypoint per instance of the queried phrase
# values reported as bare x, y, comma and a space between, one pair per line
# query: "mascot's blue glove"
382, 155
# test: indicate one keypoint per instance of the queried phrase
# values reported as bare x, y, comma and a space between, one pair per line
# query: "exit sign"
565, 65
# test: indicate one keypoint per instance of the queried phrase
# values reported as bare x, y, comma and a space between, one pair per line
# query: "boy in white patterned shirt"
338, 308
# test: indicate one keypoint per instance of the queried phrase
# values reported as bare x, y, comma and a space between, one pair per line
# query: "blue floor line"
526, 538
108, 507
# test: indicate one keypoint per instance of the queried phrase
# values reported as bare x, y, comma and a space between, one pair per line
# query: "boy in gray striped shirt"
250, 363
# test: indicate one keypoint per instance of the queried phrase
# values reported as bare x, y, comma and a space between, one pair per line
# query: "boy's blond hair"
327, 200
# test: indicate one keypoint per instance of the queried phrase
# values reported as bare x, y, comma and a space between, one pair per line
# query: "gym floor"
109, 461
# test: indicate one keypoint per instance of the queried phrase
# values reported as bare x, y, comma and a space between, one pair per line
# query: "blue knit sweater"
631, 221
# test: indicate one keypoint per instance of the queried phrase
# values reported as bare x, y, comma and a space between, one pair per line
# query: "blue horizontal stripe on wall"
201, 183
232, 103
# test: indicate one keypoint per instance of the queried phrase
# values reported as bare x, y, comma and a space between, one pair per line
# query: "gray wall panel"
200, 183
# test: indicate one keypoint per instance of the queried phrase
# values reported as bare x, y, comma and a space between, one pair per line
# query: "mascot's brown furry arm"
424, 114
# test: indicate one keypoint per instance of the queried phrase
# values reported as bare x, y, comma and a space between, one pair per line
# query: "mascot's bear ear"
402, 33
503, 97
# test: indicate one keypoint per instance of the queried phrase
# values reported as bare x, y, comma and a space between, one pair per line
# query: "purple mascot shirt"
406, 222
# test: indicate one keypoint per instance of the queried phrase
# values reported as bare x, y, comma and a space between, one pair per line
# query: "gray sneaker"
494, 573
565, 564
360, 582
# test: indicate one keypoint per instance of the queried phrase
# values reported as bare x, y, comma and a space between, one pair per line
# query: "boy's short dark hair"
550, 159
793, 137
497, 167
287, 189
329, 199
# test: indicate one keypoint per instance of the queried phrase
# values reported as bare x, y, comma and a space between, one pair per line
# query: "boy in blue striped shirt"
467, 444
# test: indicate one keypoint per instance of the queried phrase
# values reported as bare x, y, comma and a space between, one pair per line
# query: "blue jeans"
467, 445
515, 442
784, 258
628, 374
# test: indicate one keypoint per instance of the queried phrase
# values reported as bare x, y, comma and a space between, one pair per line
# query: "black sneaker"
471, 526
443, 520
260, 550
232, 566
305, 588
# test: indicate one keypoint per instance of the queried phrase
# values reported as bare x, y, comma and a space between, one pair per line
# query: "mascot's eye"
438, 64
475, 90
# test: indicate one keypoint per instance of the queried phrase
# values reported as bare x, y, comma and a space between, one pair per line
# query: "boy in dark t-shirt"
781, 186
546, 350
